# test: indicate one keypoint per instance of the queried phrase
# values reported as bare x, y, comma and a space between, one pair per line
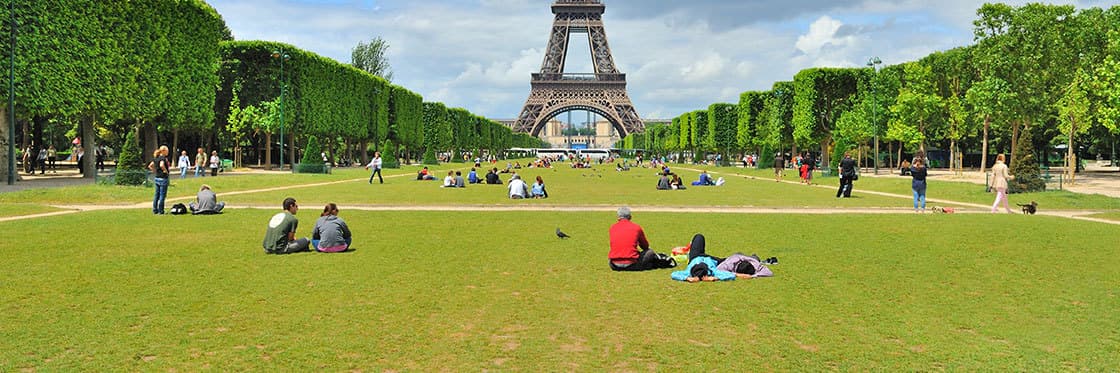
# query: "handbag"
855, 176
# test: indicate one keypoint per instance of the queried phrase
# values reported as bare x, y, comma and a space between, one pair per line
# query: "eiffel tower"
554, 91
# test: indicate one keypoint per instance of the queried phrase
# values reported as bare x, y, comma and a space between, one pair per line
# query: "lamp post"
282, 56
12, 96
873, 63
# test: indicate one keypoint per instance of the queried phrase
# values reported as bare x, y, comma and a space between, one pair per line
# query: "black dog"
1030, 208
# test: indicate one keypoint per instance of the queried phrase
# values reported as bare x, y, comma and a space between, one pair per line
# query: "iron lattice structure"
554, 91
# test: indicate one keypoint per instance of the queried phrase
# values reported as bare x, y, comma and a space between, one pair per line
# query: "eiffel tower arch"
554, 91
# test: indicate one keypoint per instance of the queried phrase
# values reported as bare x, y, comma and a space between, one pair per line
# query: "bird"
561, 235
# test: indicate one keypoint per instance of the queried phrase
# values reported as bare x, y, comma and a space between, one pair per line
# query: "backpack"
178, 209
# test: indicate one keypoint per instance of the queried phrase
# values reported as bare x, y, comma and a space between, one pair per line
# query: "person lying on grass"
280, 238
331, 234
704, 267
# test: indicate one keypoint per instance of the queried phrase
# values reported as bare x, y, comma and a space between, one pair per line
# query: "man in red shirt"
626, 239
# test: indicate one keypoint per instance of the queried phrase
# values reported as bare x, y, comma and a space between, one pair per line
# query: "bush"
313, 153
1024, 166
430, 158
312, 162
389, 155
130, 166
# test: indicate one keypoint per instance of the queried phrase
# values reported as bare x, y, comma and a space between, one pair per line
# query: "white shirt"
517, 187
375, 163
184, 161
449, 182
214, 161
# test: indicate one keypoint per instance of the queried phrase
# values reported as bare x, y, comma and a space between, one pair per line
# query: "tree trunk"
952, 155
175, 145
984, 152
900, 146
151, 141
89, 170
268, 151
1014, 141
1071, 163
365, 151
5, 157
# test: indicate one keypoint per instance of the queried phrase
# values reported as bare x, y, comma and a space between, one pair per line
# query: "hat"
745, 267
699, 270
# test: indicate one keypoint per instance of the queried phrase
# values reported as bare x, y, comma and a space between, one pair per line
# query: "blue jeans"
183, 172
198, 171
919, 196
161, 194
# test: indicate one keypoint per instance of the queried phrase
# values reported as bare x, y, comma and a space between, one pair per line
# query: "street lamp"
282, 56
873, 63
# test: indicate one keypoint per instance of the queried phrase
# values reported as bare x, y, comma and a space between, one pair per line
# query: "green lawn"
951, 190
490, 290
496, 290
20, 209
1107, 215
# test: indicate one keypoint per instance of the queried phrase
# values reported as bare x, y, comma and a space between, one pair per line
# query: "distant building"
553, 133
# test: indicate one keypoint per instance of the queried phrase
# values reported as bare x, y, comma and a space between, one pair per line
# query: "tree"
1073, 110
130, 166
723, 128
820, 96
917, 109
1025, 169
751, 119
371, 58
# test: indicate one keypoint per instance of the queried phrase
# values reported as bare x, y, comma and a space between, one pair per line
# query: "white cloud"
679, 56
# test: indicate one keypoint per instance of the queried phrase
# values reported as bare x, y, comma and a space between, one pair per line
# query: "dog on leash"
1030, 208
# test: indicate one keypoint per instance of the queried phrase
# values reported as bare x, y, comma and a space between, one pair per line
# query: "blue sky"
678, 55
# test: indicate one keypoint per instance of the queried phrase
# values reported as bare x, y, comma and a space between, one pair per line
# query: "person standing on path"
779, 165
1000, 175
52, 156
41, 160
199, 160
214, 163
160, 167
847, 175
918, 185
184, 164
375, 164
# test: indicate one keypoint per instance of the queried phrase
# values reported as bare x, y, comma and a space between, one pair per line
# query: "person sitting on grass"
472, 177
424, 174
207, 202
280, 238
492, 177
675, 182
330, 235
705, 180
538, 190
449, 180
663, 182
625, 240
459, 182
517, 188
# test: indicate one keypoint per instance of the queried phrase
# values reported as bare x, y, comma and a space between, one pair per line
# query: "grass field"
20, 209
493, 290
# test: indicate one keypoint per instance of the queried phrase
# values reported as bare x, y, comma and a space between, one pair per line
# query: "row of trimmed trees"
1047, 76
168, 72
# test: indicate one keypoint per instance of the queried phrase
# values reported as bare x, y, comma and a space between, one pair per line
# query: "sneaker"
773, 260
672, 263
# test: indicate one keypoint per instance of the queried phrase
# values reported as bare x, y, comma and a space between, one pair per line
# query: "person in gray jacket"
207, 203
330, 235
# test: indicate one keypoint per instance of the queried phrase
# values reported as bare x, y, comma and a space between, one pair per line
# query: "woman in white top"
1000, 176
184, 164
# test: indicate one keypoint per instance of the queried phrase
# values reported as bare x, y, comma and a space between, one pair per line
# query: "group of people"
518, 189
669, 181
160, 166
630, 251
214, 163
330, 234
